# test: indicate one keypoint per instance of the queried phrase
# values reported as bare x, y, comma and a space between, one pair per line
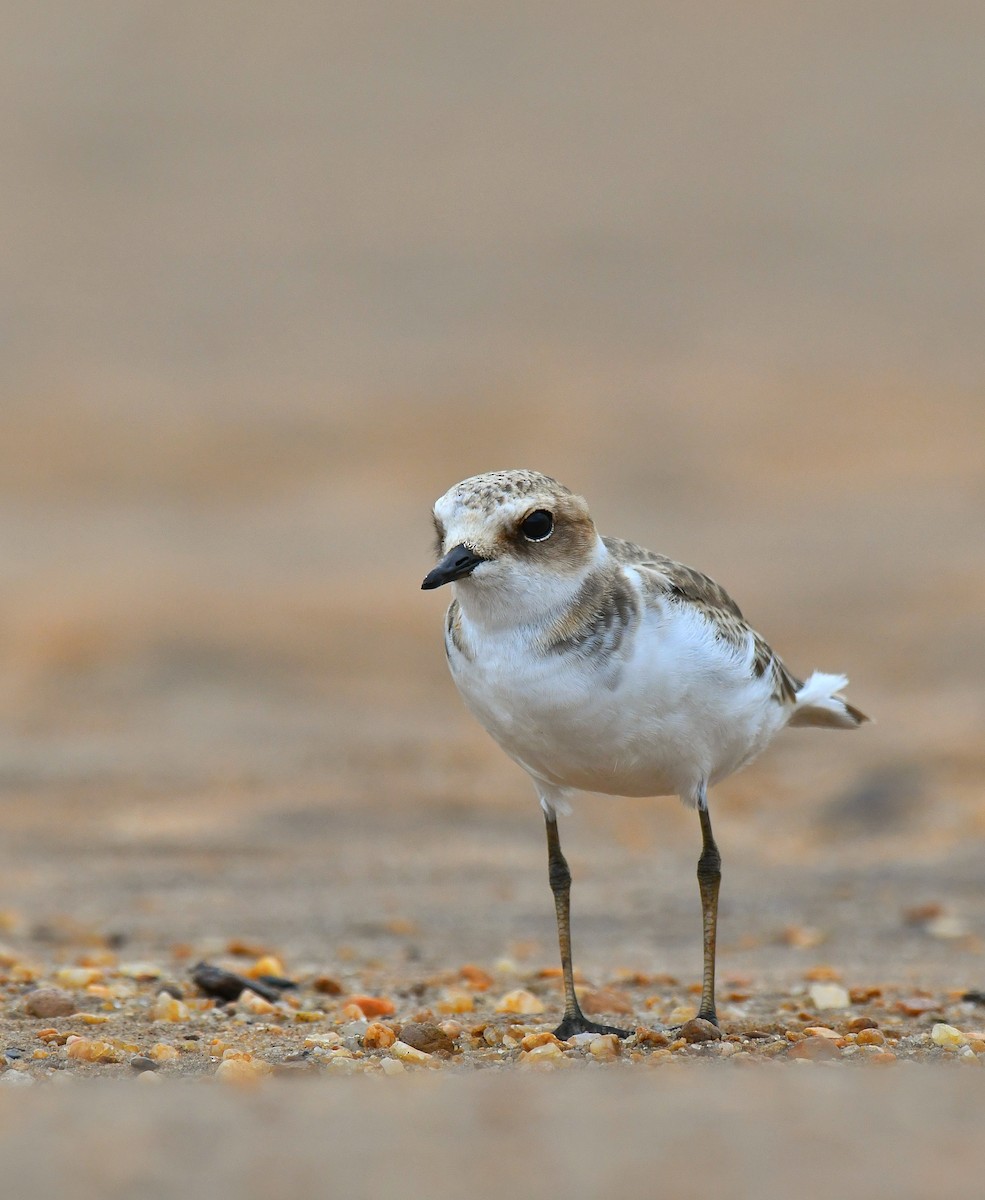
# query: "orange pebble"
373, 1006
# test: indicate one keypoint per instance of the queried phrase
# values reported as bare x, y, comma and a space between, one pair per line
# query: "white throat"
516, 596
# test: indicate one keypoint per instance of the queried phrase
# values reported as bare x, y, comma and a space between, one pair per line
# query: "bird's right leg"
574, 1020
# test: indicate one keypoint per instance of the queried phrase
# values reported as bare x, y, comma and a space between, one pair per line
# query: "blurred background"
276, 277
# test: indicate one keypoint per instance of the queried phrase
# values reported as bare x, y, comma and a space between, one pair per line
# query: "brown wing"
684, 584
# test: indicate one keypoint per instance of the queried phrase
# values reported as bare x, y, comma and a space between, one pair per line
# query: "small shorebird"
600, 666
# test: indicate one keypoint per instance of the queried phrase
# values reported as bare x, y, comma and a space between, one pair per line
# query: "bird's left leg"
709, 879
574, 1020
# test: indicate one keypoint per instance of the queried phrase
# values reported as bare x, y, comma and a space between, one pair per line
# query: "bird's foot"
572, 1025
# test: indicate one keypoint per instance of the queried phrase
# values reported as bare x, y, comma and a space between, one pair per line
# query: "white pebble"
829, 995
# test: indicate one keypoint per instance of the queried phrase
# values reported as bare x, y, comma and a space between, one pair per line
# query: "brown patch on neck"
453, 632
604, 611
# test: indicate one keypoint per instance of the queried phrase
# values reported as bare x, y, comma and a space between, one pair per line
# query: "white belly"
676, 710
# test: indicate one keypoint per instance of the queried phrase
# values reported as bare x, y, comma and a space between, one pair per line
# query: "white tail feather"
818, 703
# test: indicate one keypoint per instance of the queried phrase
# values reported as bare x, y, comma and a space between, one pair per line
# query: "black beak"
457, 563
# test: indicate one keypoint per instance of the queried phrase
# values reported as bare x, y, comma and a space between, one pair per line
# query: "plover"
600, 666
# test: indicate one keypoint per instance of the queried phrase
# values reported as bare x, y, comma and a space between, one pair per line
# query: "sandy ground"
273, 285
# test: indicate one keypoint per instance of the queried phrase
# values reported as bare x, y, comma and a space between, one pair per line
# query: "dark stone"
228, 986
141, 1063
422, 1035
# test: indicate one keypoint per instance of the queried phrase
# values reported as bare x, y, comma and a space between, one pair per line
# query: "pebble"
870, 1037
392, 1066
829, 996
545, 1052
140, 1062
161, 1052
475, 978
378, 1037
607, 1000
858, 1023
242, 1071
410, 1054
916, 1006
227, 985
250, 1002
455, 1000
427, 1037
49, 1002
328, 985
519, 1001
166, 1008
87, 1050
373, 1006
681, 1014
143, 972
78, 977
700, 1030
948, 1036
814, 1049
605, 1046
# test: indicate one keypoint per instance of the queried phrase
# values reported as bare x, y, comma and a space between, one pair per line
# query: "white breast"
675, 710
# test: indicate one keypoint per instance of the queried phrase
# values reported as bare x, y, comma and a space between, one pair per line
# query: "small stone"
651, 1037
829, 996
143, 972
166, 1008
681, 1014
815, 1049
78, 977
855, 1024
227, 985
822, 1031
520, 1001
267, 964
947, 1036
700, 1030
410, 1054
427, 1037
49, 1002
545, 1052
870, 1037
456, 1000
378, 1037
308, 1016
326, 1040
328, 985
140, 1062
161, 1052
242, 1071
250, 1002
916, 1006
475, 978
605, 1046
531, 1041
606, 1000
373, 1006
86, 1050
392, 1066
823, 973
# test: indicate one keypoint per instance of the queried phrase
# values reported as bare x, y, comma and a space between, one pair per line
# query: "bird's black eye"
537, 526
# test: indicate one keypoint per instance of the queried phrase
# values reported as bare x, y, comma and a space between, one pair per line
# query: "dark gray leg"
574, 1020
709, 878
